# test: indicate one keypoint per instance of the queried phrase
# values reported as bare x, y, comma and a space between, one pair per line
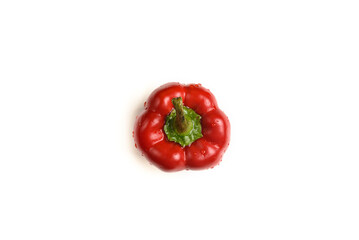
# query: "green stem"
183, 125
181, 122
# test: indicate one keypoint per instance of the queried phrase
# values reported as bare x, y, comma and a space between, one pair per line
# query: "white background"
74, 74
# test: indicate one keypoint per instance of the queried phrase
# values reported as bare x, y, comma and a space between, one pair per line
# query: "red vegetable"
182, 128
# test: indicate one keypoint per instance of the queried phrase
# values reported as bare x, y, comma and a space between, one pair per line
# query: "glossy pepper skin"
152, 141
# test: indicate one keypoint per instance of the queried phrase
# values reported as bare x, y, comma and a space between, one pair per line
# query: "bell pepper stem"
181, 122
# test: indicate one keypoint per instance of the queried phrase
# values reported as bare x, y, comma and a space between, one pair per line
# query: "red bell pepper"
182, 128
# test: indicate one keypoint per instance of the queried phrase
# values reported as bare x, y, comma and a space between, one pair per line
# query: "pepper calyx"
183, 125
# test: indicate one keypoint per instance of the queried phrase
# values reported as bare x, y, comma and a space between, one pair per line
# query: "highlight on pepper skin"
181, 127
